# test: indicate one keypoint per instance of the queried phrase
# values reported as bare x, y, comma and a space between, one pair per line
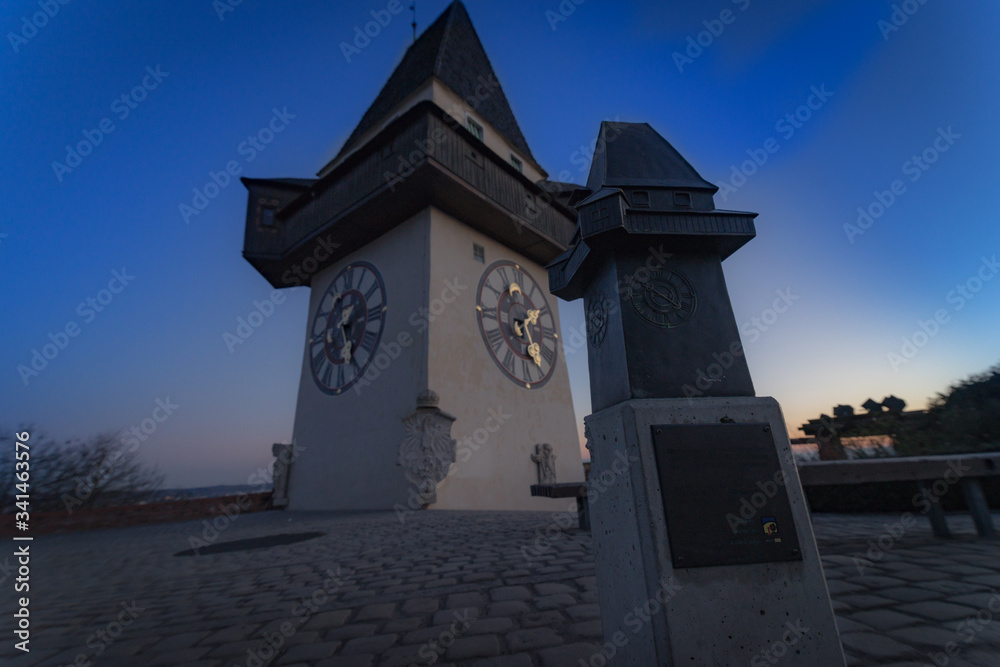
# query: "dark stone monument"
709, 526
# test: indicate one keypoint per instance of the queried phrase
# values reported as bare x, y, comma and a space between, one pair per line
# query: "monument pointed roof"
635, 155
451, 51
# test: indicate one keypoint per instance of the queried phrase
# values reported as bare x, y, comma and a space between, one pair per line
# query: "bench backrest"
910, 468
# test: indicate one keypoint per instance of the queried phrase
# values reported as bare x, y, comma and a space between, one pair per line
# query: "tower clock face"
663, 297
347, 327
516, 324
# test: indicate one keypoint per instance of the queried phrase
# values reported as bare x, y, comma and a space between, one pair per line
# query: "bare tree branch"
98, 472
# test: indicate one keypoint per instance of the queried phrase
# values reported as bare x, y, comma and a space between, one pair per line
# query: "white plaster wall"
494, 473
349, 443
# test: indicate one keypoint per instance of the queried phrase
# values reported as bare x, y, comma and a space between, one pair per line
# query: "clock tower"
433, 362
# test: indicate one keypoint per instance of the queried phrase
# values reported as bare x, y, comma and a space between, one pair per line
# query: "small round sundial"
663, 297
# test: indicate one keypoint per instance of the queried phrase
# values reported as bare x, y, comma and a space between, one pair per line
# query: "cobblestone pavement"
454, 588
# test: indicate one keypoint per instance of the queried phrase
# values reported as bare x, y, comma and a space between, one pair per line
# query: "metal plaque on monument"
708, 530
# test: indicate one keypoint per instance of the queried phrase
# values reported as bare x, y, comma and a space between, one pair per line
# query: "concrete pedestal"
654, 613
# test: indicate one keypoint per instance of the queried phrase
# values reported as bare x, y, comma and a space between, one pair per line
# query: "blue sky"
889, 94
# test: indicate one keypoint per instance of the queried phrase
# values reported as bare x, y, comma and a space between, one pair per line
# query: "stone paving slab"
500, 589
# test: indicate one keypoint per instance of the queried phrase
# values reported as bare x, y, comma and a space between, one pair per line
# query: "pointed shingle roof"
450, 50
636, 155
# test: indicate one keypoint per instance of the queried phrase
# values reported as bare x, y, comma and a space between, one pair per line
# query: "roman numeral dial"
347, 327
517, 324
663, 297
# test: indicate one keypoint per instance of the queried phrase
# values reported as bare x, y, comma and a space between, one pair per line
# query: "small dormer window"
516, 161
640, 199
479, 253
682, 199
474, 127
267, 217
267, 209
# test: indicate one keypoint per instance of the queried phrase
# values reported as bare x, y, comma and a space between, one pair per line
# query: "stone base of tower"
668, 596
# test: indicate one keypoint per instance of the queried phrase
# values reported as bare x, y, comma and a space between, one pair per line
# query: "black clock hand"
671, 300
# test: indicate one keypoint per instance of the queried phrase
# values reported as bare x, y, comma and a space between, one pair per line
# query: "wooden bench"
934, 475
576, 490
929, 473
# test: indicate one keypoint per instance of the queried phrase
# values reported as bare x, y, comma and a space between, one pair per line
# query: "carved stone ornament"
546, 461
427, 450
282, 463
